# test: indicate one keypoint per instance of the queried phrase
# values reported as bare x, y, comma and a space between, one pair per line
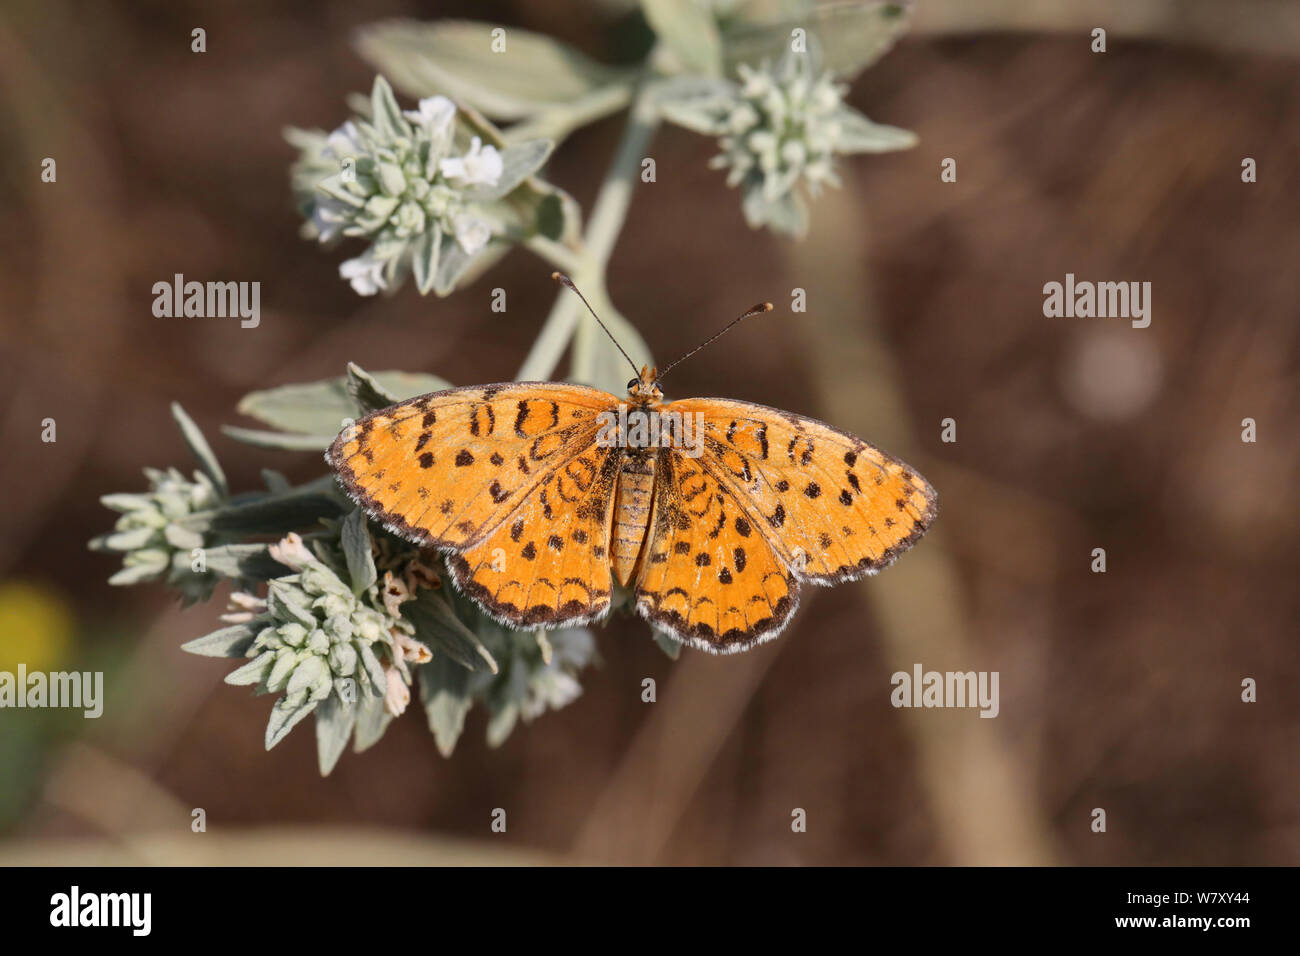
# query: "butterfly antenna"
561, 278
756, 310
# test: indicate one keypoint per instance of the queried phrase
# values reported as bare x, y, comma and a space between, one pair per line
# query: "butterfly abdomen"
632, 502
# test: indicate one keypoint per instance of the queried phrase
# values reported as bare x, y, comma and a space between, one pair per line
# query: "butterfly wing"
773, 498
498, 475
709, 576
834, 507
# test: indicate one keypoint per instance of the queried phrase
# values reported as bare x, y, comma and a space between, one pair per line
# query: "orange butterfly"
543, 495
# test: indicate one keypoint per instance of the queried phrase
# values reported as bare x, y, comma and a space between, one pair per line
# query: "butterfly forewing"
495, 474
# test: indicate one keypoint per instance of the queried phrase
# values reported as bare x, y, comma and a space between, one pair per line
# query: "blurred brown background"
1119, 691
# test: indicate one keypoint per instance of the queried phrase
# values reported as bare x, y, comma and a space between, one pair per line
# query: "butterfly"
712, 511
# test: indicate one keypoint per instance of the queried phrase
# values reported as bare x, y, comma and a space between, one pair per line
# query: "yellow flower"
38, 627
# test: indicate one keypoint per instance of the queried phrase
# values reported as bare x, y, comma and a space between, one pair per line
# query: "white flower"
481, 166
365, 274
472, 233
344, 141
435, 115
291, 552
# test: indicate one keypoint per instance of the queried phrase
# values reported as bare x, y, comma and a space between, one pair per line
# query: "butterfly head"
645, 387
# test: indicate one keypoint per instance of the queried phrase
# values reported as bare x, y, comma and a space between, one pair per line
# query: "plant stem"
568, 320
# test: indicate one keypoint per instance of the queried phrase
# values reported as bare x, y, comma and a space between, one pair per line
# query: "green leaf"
847, 37
373, 669
860, 135
455, 58
501, 724
284, 717
424, 258
355, 537
240, 561
689, 30
444, 691
372, 720
231, 641
367, 393
787, 214
334, 722
319, 408
517, 164
387, 117
254, 671
200, 449
285, 441
437, 625
699, 103
669, 645
272, 514
453, 263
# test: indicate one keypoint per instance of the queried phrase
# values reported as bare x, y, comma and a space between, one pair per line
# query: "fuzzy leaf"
847, 37
319, 408
501, 724
286, 441
671, 647
518, 163
453, 263
231, 641
254, 671
437, 625
387, 117
355, 537
424, 258
689, 30
698, 103
284, 717
371, 722
374, 670
200, 449
455, 58
860, 135
273, 514
444, 691
368, 394
334, 722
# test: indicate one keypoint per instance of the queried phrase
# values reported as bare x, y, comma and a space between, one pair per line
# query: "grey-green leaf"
699, 103
437, 625
518, 162
334, 722
860, 135
254, 671
286, 441
424, 258
372, 721
231, 641
670, 646
689, 30
455, 58
319, 408
284, 717
444, 691
453, 263
848, 37
200, 449
355, 536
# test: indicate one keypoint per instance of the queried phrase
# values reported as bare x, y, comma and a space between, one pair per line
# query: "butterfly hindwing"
709, 577
834, 507
548, 562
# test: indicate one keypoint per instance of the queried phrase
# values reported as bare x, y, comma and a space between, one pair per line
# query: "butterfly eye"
632, 384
